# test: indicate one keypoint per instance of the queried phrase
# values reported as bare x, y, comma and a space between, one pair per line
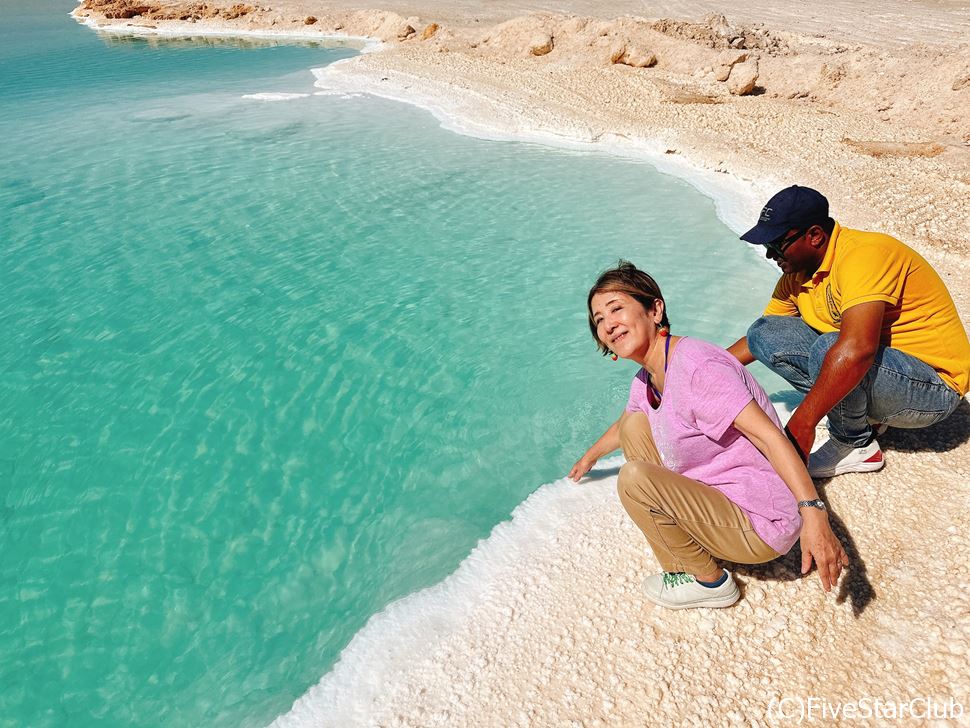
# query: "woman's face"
624, 325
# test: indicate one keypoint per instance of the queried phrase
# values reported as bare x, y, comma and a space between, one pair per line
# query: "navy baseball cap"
793, 207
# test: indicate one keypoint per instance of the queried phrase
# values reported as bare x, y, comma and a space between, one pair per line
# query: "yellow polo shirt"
859, 267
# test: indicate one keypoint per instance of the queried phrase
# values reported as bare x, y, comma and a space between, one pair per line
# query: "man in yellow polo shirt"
861, 324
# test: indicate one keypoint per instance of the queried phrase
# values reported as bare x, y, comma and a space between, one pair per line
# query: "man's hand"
802, 435
819, 543
844, 366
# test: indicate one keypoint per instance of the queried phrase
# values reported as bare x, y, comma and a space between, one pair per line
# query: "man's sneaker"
834, 458
681, 591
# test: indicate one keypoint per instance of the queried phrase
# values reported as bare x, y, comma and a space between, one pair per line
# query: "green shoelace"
676, 578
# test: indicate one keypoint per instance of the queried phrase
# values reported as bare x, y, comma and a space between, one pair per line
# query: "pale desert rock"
720, 25
726, 61
731, 58
540, 45
189, 12
716, 32
573, 26
831, 74
381, 25
518, 36
743, 78
638, 58
631, 55
238, 11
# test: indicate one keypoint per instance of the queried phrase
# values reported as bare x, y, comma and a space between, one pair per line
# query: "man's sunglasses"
782, 244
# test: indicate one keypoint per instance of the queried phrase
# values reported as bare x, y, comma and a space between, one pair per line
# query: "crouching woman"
710, 473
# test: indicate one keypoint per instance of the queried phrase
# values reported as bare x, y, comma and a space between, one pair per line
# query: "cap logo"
765, 215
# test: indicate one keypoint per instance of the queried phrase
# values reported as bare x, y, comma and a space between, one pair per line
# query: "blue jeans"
898, 390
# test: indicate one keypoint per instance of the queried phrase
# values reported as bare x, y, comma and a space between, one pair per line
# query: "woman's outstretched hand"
608, 442
821, 545
581, 467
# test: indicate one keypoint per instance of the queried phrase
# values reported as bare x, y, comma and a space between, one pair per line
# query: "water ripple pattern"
267, 367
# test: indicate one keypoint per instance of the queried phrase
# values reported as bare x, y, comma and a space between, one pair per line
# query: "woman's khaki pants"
688, 524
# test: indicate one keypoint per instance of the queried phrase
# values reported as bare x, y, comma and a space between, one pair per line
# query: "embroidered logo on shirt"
833, 309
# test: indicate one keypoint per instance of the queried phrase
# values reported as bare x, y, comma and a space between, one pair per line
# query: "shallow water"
270, 365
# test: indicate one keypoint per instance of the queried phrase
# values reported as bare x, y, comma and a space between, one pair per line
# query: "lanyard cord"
653, 390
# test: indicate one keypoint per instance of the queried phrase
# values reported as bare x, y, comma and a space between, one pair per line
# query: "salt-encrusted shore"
544, 625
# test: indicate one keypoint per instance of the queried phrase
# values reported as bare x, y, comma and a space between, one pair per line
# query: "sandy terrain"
868, 102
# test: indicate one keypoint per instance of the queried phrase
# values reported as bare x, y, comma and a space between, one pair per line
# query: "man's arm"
845, 364
740, 351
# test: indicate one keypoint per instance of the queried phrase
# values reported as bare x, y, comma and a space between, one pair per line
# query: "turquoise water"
268, 366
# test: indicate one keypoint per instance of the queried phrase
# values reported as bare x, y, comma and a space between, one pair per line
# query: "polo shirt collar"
826, 265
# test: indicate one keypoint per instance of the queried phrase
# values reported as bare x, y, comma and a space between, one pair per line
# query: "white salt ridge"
410, 629
274, 96
338, 94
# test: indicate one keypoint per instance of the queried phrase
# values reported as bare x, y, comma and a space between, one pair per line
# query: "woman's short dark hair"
625, 278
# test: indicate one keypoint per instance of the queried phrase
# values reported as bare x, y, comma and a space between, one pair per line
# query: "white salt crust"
274, 96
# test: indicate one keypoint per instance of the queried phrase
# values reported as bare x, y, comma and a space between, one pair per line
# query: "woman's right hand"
581, 467
820, 544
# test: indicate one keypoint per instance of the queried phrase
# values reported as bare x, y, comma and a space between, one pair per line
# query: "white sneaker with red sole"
833, 458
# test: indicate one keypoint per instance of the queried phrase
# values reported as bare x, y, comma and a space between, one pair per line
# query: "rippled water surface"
267, 366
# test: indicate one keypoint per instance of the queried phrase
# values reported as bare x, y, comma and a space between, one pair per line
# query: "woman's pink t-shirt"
705, 389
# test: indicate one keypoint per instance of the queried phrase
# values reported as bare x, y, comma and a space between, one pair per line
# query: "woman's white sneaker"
681, 591
833, 458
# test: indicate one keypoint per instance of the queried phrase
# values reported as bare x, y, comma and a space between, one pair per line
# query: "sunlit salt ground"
272, 360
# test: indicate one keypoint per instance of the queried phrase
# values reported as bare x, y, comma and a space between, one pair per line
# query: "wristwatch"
817, 503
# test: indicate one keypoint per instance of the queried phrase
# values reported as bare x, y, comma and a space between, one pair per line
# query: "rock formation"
743, 78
